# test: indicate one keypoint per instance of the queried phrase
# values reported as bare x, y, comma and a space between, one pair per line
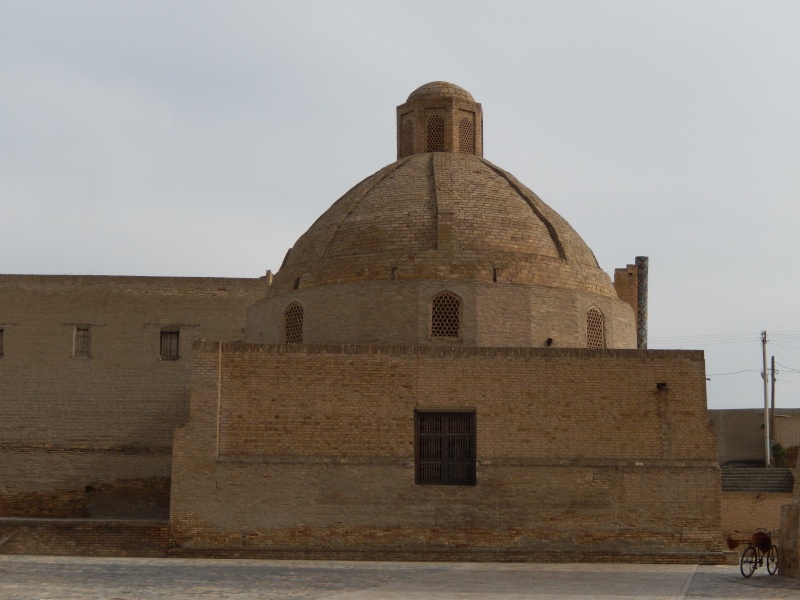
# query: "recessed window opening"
1, 342
82, 343
297, 283
293, 324
595, 334
393, 275
494, 274
407, 139
466, 136
444, 444
445, 316
170, 340
435, 142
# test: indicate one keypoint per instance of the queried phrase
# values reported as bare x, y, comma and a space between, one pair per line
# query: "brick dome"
443, 226
440, 88
441, 216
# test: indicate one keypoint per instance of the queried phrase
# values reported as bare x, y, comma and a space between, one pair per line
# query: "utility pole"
765, 376
772, 402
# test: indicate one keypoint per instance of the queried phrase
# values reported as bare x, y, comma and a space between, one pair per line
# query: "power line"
748, 335
784, 346
736, 372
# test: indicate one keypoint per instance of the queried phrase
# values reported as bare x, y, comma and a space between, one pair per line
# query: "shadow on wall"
122, 499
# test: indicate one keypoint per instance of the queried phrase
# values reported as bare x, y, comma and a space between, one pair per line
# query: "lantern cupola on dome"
439, 117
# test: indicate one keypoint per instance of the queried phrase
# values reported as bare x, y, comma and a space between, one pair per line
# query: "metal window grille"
407, 139
595, 334
466, 136
293, 324
435, 134
83, 342
445, 448
445, 315
169, 344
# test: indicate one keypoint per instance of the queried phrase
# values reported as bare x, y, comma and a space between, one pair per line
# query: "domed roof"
440, 88
442, 216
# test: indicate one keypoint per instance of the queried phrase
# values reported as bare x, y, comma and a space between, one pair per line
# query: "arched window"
595, 333
435, 134
407, 139
293, 324
445, 315
466, 136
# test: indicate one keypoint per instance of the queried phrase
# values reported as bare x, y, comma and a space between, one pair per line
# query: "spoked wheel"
749, 561
772, 560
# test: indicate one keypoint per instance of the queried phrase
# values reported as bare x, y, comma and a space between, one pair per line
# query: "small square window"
82, 345
444, 448
169, 345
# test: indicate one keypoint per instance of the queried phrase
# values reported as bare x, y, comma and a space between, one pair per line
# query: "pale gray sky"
202, 138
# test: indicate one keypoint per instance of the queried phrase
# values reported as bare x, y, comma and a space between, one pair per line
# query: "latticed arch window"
595, 333
435, 142
293, 324
466, 136
445, 316
407, 139
444, 448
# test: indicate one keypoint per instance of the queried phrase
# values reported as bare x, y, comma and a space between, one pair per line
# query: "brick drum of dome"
444, 221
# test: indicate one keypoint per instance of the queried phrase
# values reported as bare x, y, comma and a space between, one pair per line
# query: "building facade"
440, 370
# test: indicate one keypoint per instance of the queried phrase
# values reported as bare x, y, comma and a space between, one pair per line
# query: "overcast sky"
203, 138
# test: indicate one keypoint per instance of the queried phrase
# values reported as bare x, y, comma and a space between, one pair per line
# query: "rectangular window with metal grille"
83, 342
169, 345
444, 445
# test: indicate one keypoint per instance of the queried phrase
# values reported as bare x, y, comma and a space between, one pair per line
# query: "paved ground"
72, 578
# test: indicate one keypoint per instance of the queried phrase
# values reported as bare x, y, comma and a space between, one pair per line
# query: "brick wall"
789, 555
84, 437
787, 431
398, 313
83, 537
748, 511
311, 449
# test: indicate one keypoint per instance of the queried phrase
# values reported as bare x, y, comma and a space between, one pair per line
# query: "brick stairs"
743, 479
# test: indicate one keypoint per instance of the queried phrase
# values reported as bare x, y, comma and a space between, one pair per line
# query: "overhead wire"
734, 372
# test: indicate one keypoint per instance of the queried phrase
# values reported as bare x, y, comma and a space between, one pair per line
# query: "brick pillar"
641, 302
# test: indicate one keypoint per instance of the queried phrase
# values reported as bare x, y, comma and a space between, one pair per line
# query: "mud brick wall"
310, 449
83, 537
747, 511
398, 313
92, 436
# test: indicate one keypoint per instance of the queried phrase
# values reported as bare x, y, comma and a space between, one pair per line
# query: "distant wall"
741, 432
92, 436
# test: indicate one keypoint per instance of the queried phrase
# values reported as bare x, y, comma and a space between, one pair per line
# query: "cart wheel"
772, 560
749, 561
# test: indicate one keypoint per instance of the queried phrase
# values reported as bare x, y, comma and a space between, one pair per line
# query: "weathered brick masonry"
84, 537
92, 436
309, 451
